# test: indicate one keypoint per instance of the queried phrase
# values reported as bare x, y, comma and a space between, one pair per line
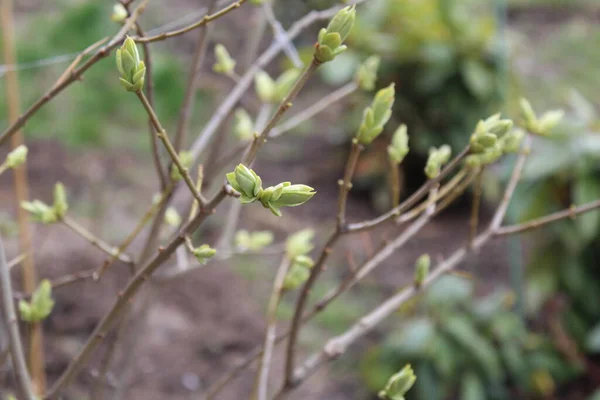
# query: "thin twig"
270, 335
192, 84
394, 178
21, 185
149, 82
416, 196
314, 109
135, 232
95, 241
285, 105
474, 221
14, 338
571, 212
205, 20
162, 135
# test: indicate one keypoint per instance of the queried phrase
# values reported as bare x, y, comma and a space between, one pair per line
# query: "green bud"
204, 253
422, 269
376, 116
243, 127
172, 217
488, 156
246, 182
40, 212
285, 195
329, 44
60, 205
265, 87
437, 158
298, 273
399, 384
511, 142
253, 241
300, 243
549, 120
366, 75
119, 13
225, 63
398, 149
285, 83
527, 113
186, 159
16, 157
131, 68
40, 305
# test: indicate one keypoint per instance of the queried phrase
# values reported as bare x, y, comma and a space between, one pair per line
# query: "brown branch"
14, 338
142, 275
474, 221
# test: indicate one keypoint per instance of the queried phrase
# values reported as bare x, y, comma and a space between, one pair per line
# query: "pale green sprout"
119, 13
366, 75
266, 88
60, 206
398, 148
187, 159
300, 243
130, 66
253, 241
330, 39
437, 158
422, 269
399, 384
225, 63
243, 126
42, 212
298, 273
15, 158
539, 125
172, 217
246, 182
204, 253
376, 116
40, 305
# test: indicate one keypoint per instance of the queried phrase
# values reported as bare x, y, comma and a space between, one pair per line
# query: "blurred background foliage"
454, 61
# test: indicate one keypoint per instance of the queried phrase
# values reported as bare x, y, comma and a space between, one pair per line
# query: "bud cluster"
329, 44
376, 116
245, 181
272, 91
40, 305
539, 125
437, 158
399, 384
398, 148
298, 246
131, 69
253, 241
41, 212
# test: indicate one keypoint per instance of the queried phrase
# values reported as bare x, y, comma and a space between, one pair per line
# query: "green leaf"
462, 330
478, 78
471, 387
415, 338
449, 290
